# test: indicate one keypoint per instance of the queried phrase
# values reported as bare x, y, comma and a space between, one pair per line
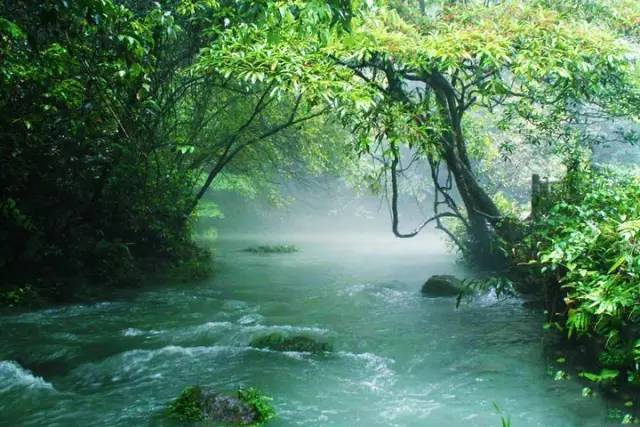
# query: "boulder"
280, 342
198, 403
442, 286
227, 409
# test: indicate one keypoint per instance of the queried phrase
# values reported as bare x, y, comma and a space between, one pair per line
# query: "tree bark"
482, 213
422, 7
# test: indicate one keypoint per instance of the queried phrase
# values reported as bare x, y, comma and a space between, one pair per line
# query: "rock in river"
280, 342
248, 407
442, 286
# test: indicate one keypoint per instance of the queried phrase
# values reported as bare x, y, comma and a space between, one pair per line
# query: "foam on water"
12, 376
287, 328
249, 319
383, 375
140, 358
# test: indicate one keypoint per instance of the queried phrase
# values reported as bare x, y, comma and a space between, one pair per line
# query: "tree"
396, 83
111, 136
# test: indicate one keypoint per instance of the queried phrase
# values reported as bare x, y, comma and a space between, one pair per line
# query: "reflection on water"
400, 359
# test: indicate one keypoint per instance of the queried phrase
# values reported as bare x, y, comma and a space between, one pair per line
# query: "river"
400, 359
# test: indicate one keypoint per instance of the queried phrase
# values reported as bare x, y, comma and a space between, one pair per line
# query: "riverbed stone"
198, 403
442, 286
227, 409
281, 342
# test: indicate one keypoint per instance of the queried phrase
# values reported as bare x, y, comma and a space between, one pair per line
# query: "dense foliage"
586, 249
81, 189
400, 82
111, 139
119, 116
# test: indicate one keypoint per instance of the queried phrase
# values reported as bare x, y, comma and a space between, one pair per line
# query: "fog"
329, 207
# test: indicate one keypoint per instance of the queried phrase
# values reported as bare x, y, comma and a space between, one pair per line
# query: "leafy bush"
87, 189
587, 248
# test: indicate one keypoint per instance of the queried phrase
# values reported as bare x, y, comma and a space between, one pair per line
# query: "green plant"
187, 406
502, 286
102, 170
586, 250
606, 376
260, 402
505, 420
21, 296
615, 357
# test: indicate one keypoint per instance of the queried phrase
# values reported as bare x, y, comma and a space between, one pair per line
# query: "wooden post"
535, 195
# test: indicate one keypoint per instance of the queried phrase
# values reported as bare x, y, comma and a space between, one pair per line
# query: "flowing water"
400, 359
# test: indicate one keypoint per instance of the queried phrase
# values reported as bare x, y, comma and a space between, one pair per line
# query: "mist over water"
400, 359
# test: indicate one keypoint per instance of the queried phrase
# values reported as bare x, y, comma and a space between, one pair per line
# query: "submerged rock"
280, 342
442, 286
248, 407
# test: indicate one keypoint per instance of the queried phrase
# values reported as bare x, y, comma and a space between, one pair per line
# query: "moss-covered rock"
249, 407
272, 249
280, 342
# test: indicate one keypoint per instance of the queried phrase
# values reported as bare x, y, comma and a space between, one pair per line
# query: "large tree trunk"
483, 215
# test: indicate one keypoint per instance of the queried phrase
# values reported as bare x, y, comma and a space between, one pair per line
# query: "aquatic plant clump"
187, 407
272, 249
280, 342
260, 402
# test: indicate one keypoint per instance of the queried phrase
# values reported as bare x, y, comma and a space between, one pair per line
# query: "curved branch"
394, 205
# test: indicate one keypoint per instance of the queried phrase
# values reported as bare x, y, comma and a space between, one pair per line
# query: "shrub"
587, 248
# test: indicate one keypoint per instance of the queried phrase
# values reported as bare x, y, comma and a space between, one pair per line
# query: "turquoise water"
401, 359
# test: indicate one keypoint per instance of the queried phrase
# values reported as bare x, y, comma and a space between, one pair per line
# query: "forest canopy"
536, 67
